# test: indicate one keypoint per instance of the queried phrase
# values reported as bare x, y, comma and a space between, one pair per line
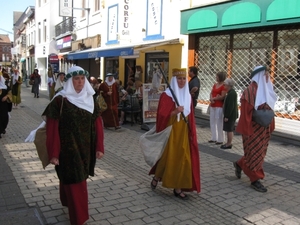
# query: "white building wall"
47, 13
90, 24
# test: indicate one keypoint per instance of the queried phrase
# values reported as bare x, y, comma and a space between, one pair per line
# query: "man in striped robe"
258, 95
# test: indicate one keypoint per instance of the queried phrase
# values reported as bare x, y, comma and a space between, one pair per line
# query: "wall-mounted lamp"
103, 4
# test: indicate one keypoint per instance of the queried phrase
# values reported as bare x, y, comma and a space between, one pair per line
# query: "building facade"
236, 36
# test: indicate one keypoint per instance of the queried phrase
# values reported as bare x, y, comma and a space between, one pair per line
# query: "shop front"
259, 33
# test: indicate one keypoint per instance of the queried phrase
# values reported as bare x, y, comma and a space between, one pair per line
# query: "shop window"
151, 67
112, 66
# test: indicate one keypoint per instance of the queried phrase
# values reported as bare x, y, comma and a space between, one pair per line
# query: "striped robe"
255, 137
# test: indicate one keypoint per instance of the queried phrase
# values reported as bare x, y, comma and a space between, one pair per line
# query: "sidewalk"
120, 192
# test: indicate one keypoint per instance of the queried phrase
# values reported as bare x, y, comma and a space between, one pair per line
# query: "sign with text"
66, 8
154, 14
112, 26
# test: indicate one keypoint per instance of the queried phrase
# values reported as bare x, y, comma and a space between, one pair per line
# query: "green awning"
279, 9
241, 13
22, 59
203, 19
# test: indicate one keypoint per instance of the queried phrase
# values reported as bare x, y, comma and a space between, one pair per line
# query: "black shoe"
154, 183
0, 136
219, 143
256, 185
4, 132
37, 96
211, 141
238, 170
226, 147
180, 195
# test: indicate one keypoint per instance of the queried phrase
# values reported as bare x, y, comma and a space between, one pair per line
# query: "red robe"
165, 107
110, 115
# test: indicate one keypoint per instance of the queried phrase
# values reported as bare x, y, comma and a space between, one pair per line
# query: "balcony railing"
65, 26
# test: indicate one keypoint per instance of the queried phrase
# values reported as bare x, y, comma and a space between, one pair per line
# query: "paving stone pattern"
120, 192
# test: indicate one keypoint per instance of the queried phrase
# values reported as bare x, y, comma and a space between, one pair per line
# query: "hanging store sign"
54, 62
64, 42
65, 8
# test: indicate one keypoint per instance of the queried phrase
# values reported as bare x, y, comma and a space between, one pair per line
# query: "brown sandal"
153, 186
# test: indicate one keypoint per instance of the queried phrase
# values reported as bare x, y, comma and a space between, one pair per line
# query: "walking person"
230, 112
109, 91
35, 80
59, 84
179, 166
258, 95
74, 141
16, 81
5, 98
194, 84
217, 96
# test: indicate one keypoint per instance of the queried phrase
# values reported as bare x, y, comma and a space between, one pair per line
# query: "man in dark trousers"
194, 84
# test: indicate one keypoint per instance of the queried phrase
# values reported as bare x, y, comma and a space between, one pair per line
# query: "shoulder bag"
40, 141
101, 102
263, 117
153, 144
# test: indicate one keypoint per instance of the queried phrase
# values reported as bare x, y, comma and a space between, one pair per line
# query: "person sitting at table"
130, 103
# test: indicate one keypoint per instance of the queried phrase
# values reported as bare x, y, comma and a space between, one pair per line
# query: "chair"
135, 108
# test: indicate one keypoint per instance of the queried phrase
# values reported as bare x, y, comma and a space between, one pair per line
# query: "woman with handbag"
179, 166
5, 105
259, 94
74, 141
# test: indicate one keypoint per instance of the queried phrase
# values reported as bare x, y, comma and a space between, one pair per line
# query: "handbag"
101, 102
31, 82
263, 117
39, 137
153, 144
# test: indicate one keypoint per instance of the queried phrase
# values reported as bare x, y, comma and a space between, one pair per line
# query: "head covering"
15, 76
265, 92
76, 70
2, 83
182, 94
59, 84
109, 83
83, 99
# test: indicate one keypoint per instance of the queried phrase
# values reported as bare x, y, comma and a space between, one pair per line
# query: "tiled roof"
4, 38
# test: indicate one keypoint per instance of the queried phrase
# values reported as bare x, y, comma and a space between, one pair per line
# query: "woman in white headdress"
5, 96
16, 81
258, 95
179, 166
74, 141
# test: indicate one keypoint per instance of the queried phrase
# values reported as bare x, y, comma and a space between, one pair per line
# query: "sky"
6, 22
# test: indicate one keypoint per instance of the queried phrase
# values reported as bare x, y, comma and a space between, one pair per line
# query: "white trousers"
216, 124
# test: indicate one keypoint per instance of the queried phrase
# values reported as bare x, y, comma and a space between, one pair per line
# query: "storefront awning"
22, 59
101, 52
239, 14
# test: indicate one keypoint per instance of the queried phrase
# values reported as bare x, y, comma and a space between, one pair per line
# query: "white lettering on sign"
92, 55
